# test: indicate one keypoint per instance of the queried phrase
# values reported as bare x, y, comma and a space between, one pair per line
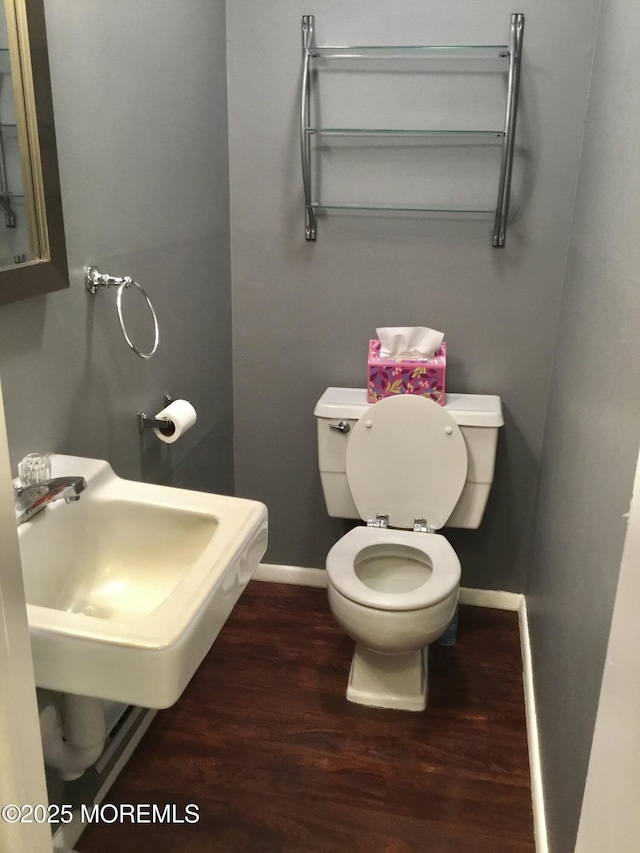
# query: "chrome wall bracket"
156, 423
509, 138
305, 139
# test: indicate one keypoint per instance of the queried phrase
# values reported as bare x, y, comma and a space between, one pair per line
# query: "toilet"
408, 467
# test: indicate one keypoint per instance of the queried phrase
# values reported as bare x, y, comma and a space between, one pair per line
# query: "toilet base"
389, 681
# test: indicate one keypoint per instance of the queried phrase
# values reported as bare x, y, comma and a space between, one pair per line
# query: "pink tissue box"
389, 376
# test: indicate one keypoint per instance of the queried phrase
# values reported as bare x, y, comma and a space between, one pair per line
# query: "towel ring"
95, 279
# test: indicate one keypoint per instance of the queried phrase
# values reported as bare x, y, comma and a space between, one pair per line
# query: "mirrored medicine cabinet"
32, 245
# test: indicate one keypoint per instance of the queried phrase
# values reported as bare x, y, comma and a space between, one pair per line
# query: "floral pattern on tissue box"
390, 376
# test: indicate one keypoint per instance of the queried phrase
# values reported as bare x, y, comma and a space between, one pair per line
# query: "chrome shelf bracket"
508, 142
305, 141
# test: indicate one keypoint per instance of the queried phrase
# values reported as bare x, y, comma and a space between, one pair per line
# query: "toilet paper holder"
154, 423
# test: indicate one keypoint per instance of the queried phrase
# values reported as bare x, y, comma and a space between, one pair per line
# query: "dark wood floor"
264, 742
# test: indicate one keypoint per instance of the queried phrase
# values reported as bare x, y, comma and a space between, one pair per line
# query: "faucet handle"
34, 468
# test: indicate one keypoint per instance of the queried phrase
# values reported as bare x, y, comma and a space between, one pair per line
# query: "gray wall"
139, 93
303, 313
593, 429
140, 101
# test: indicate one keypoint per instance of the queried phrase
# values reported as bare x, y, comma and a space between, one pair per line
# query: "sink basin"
128, 588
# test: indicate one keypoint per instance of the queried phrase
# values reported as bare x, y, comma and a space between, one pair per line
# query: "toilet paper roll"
181, 415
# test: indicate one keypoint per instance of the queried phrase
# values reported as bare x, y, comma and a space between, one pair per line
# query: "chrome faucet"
29, 500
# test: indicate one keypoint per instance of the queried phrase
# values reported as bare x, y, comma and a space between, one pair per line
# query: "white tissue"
408, 341
182, 415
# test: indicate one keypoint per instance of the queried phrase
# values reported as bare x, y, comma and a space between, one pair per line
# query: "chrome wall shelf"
315, 58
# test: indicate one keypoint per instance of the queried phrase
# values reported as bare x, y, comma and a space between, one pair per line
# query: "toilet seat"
406, 458
442, 582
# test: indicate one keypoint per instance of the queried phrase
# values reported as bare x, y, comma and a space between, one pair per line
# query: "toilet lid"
406, 458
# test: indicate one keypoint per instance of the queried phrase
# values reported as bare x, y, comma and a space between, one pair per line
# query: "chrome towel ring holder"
94, 279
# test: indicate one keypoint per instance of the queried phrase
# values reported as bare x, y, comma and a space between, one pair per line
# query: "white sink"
128, 587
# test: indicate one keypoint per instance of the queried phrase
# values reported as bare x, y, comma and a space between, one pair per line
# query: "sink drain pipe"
73, 737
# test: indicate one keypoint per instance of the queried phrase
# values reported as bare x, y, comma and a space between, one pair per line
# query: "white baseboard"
535, 767
302, 576
499, 599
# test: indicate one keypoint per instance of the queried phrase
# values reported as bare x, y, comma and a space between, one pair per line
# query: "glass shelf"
434, 51
394, 208
361, 131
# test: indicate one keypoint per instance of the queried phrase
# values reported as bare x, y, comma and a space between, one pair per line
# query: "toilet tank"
478, 416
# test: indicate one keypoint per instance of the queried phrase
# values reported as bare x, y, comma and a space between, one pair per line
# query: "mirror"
33, 257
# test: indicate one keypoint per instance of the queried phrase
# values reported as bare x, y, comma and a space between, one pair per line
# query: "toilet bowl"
393, 585
393, 592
